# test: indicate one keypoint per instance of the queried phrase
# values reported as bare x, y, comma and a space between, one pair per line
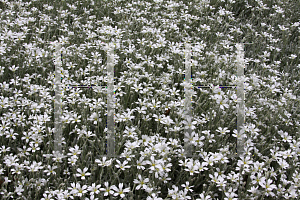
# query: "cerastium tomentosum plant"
151, 149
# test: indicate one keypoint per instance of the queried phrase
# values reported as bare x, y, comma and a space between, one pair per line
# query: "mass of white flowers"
149, 99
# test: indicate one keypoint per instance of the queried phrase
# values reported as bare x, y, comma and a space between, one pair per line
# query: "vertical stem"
110, 103
241, 97
188, 99
57, 100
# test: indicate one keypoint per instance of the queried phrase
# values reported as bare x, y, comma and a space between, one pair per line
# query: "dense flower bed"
148, 38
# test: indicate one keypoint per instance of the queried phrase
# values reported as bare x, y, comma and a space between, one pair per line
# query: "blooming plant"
150, 94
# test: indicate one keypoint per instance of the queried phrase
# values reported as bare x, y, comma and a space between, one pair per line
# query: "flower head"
120, 191
82, 173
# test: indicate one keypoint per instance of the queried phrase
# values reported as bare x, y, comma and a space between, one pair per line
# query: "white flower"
253, 190
120, 191
82, 173
293, 56
50, 170
167, 120
187, 187
221, 182
47, 197
11, 134
78, 190
94, 189
285, 136
214, 178
107, 189
140, 163
72, 160
192, 169
130, 132
153, 197
245, 162
19, 189
75, 118
267, 185
122, 166
202, 197
197, 141
233, 177
13, 68
189, 124
104, 162
281, 27
141, 182
223, 131
163, 167
58, 156
230, 194
154, 162
278, 9
74, 151
94, 117
34, 167
283, 164
205, 27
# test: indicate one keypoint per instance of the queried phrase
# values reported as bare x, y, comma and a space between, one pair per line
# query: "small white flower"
267, 185
94, 189
74, 151
104, 162
82, 173
203, 197
205, 27
50, 170
120, 191
187, 187
94, 117
223, 131
13, 68
141, 182
281, 27
293, 56
107, 189
122, 166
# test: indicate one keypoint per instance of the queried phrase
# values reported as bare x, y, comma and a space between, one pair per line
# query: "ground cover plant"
148, 38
